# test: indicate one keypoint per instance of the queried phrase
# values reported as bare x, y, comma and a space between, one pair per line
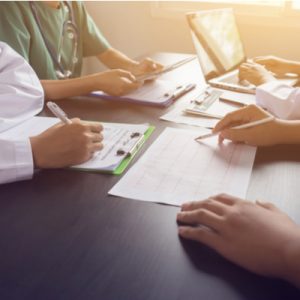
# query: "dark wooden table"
63, 237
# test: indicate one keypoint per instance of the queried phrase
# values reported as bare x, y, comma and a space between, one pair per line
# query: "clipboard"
120, 168
210, 106
202, 107
126, 161
159, 93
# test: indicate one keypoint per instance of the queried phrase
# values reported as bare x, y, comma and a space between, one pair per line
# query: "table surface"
63, 237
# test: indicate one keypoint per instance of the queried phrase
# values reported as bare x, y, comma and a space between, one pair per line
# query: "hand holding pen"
65, 144
251, 125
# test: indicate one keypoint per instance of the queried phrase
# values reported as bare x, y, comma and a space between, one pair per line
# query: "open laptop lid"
217, 41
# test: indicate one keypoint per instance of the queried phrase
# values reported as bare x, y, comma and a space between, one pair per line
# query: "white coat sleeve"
280, 99
21, 94
21, 97
16, 162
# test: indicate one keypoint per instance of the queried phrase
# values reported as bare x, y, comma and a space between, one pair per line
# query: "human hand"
145, 66
115, 82
256, 236
255, 73
63, 145
274, 64
266, 134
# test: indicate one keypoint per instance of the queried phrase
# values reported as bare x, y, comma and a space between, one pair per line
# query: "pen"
58, 112
243, 126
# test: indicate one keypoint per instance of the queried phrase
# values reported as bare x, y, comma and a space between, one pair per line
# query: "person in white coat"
279, 98
22, 97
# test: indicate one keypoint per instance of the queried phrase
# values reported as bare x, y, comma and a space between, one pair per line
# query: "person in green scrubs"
55, 36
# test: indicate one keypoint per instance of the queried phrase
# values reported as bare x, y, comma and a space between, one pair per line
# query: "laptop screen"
217, 41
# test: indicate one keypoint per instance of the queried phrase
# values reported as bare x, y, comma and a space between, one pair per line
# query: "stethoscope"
70, 29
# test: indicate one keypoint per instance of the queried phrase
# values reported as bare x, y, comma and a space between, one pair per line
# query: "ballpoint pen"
58, 112
243, 126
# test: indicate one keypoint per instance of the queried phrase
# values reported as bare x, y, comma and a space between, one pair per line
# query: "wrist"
37, 159
95, 82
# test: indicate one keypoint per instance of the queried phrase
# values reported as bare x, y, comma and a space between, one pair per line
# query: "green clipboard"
126, 161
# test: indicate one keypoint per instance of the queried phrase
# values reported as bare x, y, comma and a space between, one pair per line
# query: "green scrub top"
19, 29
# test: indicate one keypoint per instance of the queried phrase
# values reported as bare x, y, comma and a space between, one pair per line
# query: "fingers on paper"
201, 217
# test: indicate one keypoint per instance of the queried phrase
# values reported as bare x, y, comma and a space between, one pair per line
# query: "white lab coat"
280, 99
21, 97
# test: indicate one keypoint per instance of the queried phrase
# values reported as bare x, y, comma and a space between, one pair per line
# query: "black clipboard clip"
135, 147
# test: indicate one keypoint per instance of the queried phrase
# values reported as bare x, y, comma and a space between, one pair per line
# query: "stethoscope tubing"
50, 50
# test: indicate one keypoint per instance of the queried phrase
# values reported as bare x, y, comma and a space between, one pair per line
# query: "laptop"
220, 49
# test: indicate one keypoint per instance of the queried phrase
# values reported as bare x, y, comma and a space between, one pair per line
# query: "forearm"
60, 89
294, 67
115, 59
287, 132
291, 256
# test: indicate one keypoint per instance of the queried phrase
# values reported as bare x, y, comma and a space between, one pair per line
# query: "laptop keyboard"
234, 79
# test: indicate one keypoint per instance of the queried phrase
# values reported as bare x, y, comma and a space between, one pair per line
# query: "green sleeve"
94, 43
13, 30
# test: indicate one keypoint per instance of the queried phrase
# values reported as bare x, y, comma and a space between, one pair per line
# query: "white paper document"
190, 112
240, 98
216, 110
116, 137
177, 115
177, 169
